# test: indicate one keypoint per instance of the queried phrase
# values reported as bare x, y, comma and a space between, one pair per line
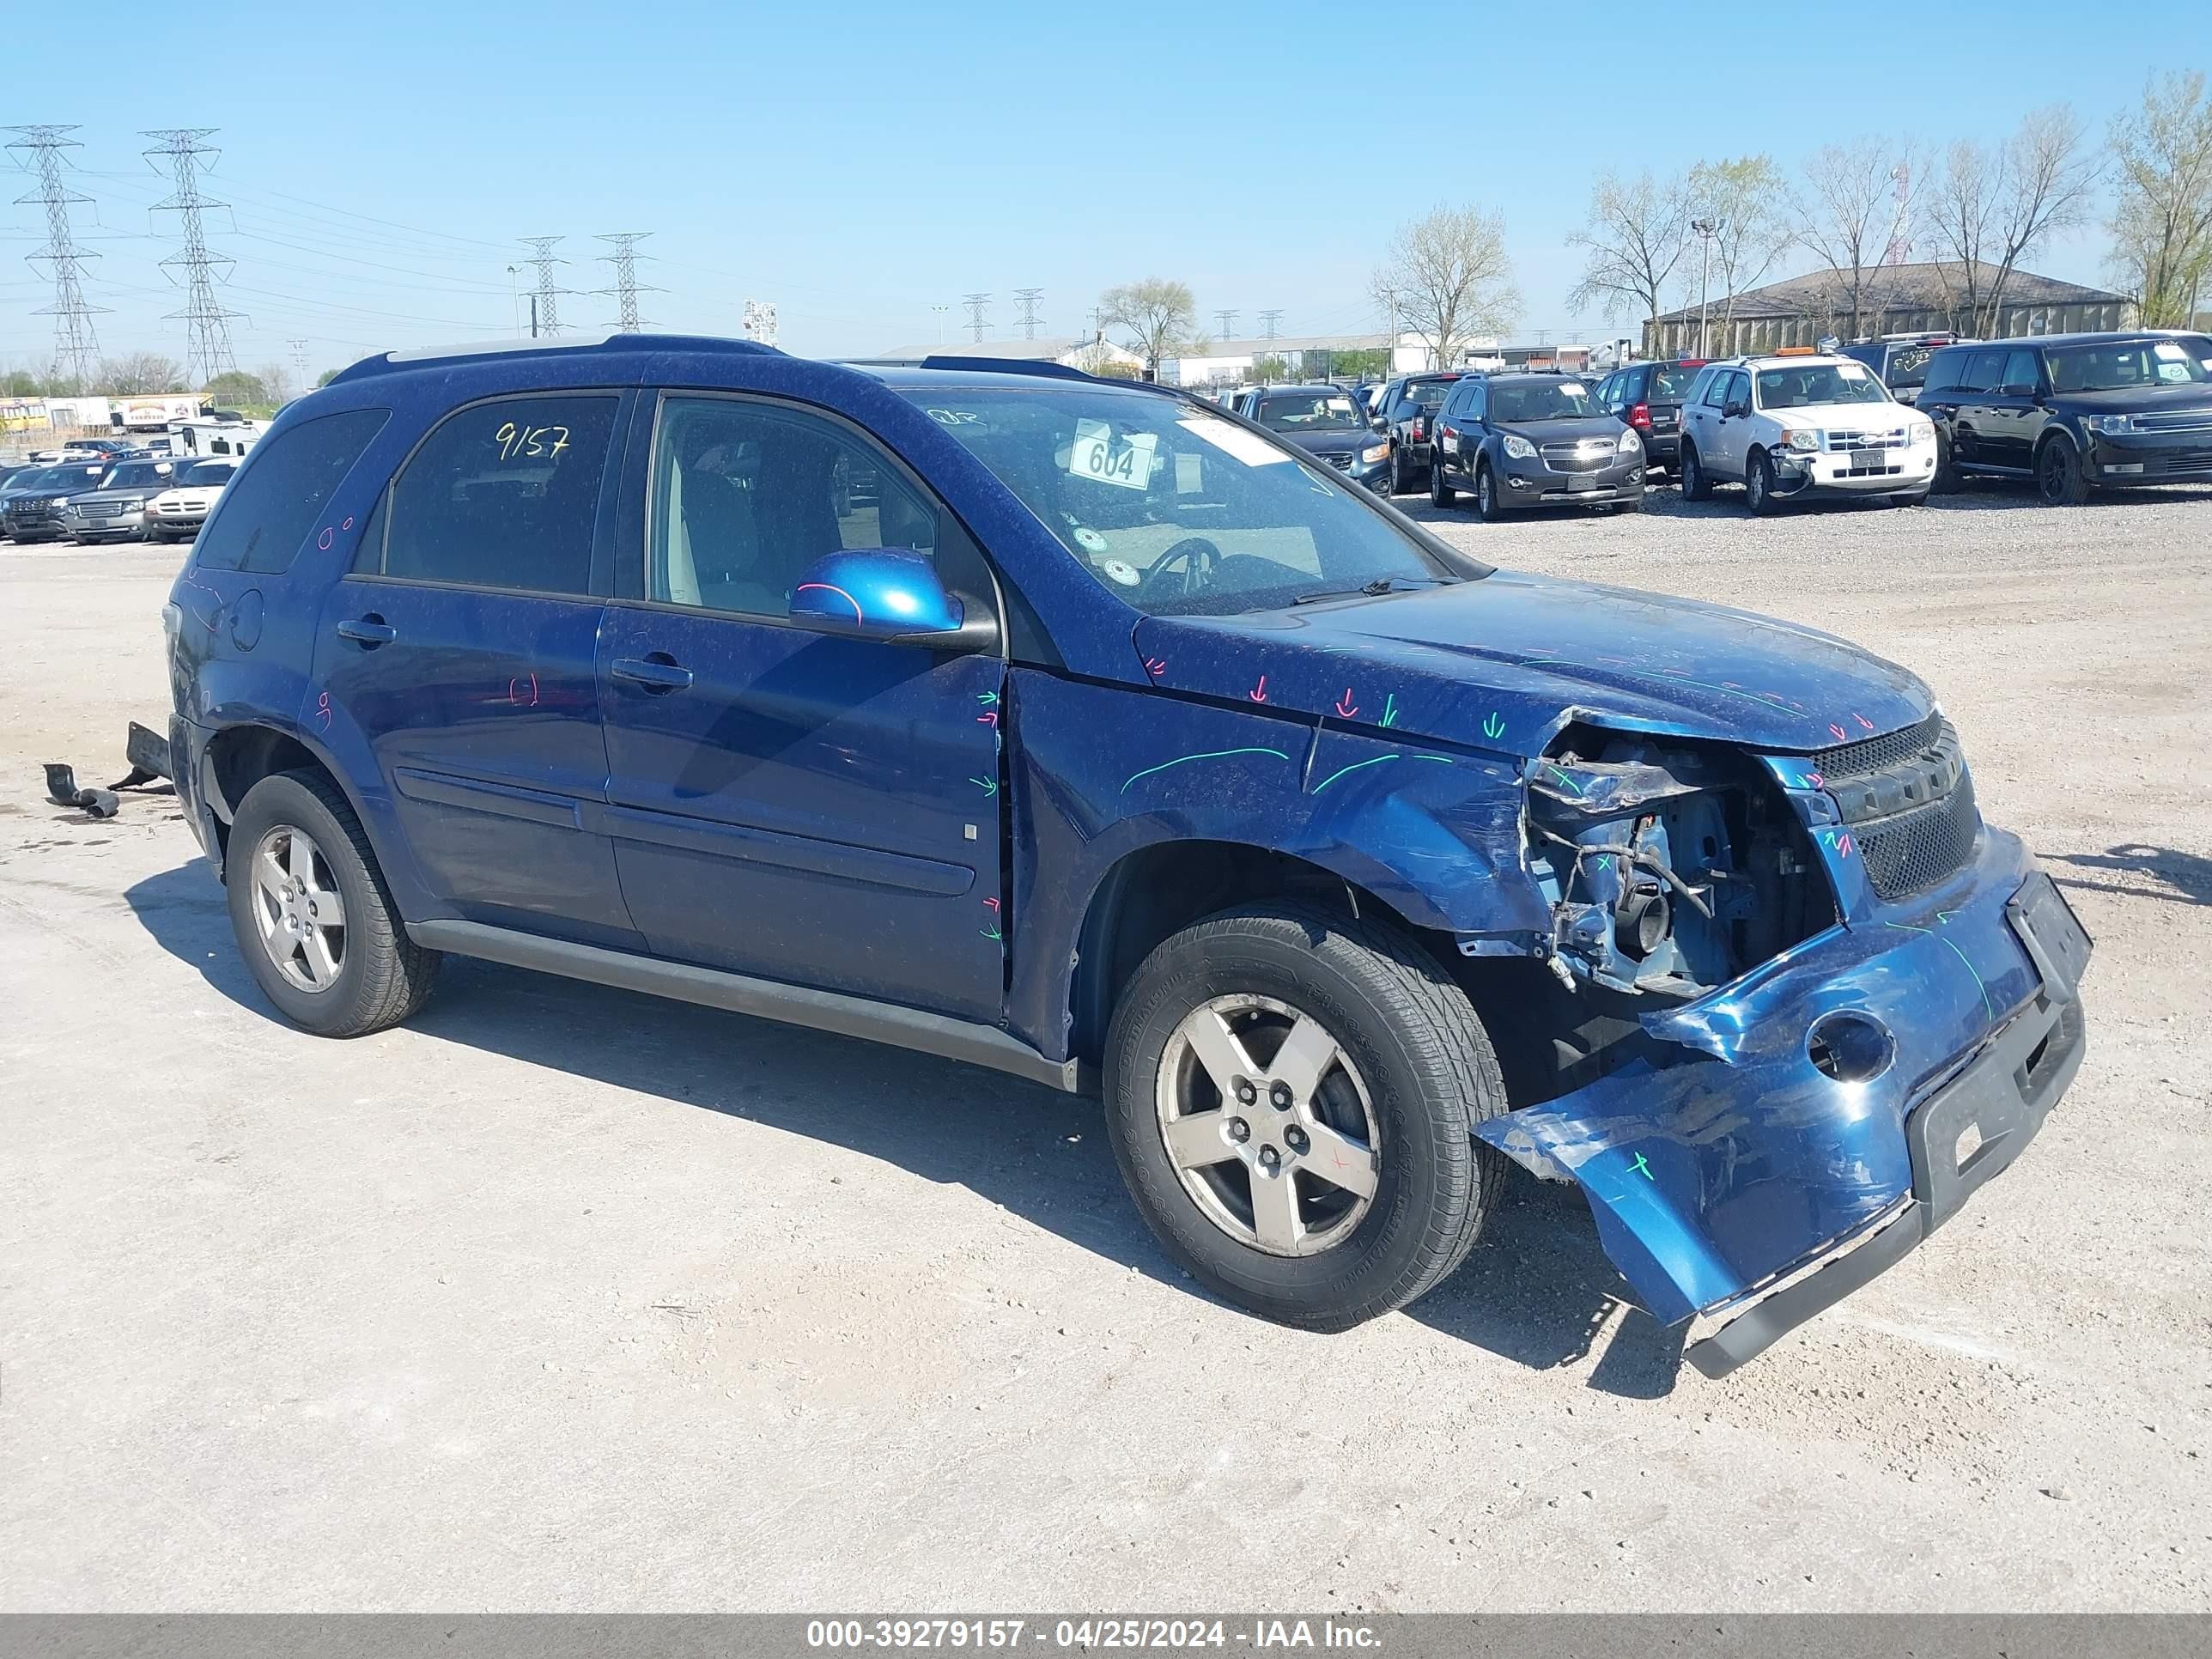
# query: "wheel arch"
239, 755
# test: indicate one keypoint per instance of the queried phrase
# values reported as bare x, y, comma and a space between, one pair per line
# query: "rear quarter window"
267, 513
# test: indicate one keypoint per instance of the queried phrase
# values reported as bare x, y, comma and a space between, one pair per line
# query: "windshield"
1798, 387
1173, 509
2123, 365
59, 477
1310, 411
136, 475
207, 472
1670, 383
1513, 402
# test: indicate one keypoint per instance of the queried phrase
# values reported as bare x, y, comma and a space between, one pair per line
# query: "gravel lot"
567, 1299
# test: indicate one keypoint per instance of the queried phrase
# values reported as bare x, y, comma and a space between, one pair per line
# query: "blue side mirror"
883, 593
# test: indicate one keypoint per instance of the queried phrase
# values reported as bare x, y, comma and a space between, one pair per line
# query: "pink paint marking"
1345, 706
348, 525
1259, 693
1840, 733
324, 540
832, 587
1816, 780
1862, 720
514, 691
993, 902
323, 710
990, 719
1843, 846
1155, 667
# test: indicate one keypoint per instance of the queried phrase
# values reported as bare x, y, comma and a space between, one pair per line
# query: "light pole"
514, 297
941, 311
1707, 229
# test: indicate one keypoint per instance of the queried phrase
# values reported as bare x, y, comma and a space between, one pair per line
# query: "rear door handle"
656, 673
369, 631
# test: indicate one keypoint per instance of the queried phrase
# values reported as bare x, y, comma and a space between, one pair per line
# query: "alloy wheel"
298, 908
1269, 1125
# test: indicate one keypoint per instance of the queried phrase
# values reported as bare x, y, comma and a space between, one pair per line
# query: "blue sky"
858, 163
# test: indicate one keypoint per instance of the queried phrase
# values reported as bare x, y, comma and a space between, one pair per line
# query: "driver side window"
746, 494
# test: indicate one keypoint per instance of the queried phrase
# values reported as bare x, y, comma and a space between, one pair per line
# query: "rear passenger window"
266, 515
504, 495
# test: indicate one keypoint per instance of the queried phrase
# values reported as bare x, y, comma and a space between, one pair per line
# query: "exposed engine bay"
1671, 866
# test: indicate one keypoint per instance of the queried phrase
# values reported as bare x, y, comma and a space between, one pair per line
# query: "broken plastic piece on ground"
98, 803
147, 751
62, 790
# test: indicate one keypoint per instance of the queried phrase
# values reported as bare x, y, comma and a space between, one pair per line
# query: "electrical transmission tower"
76, 349
760, 321
300, 366
1027, 298
1267, 321
977, 304
1224, 319
626, 290
545, 303
206, 322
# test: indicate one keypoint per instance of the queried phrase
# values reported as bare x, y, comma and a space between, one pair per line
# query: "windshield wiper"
1375, 589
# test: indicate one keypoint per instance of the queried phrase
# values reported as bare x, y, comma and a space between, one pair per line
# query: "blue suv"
1080, 730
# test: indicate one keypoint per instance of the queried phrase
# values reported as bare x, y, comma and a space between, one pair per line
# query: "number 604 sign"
1095, 455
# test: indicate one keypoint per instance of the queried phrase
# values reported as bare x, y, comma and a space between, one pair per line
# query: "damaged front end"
1760, 1057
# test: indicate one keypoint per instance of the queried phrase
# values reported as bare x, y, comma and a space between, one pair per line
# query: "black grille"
1849, 760
1916, 849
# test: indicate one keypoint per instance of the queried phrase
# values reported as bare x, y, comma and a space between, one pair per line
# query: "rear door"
1977, 429
2013, 417
807, 807
464, 647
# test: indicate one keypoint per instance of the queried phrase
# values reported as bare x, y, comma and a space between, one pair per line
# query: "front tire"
1290, 1094
1486, 504
2059, 479
312, 915
1758, 485
1696, 486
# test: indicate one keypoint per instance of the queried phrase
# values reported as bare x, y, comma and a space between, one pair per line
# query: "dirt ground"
562, 1298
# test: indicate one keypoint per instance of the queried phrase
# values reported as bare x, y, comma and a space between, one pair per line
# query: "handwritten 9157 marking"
515, 441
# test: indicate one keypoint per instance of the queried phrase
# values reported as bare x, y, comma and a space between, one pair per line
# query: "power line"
546, 311
76, 347
1267, 321
626, 290
1027, 298
207, 324
300, 363
977, 304
1224, 318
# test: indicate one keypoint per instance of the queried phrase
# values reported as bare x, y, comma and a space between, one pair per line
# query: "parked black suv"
1900, 360
1649, 397
1533, 440
31, 506
1407, 410
2073, 411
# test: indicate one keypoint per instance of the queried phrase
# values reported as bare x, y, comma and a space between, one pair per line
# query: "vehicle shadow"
1536, 1292
2189, 874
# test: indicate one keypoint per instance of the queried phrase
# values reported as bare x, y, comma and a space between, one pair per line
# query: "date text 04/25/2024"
1166, 1635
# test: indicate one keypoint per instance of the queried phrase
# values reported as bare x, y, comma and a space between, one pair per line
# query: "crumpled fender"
1741, 1161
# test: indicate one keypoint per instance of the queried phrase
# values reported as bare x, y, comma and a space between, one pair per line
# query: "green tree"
2162, 224
1268, 369
1157, 312
236, 386
1746, 204
326, 377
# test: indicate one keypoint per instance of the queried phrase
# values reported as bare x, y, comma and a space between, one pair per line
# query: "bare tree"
1637, 232
1446, 276
137, 373
1746, 203
1158, 312
1990, 207
278, 380
2162, 224
1856, 208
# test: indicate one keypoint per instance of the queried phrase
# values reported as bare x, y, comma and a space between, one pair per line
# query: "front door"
464, 648
805, 807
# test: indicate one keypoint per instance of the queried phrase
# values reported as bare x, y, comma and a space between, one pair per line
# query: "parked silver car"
117, 510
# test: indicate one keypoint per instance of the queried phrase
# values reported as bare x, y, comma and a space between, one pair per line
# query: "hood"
1332, 443
1541, 433
128, 493
1504, 662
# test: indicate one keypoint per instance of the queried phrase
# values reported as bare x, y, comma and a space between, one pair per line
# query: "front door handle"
659, 673
368, 632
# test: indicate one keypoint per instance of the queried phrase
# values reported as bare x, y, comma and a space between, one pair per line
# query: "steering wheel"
1197, 557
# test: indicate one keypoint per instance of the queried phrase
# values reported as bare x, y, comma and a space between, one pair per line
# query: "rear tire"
2059, 479
1945, 480
1401, 1051
1696, 486
1441, 494
381, 975
1398, 473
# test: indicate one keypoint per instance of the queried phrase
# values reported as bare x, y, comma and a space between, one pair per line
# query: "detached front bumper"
1898, 472
1742, 1154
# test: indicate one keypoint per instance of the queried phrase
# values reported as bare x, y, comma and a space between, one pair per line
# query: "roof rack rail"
414, 357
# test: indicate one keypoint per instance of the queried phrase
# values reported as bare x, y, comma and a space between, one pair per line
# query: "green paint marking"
1390, 710
1945, 915
988, 699
1563, 779
993, 935
988, 786
1987, 1003
1493, 727
1433, 760
1438, 760
1641, 1168
1904, 927
1210, 754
